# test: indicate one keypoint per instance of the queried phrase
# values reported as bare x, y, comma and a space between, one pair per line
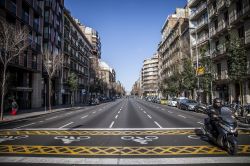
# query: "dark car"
188, 105
201, 108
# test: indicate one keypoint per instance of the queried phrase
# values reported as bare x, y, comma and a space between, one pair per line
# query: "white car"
172, 102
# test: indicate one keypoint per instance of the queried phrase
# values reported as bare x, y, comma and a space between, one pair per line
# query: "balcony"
198, 11
222, 3
222, 26
236, 16
213, 31
200, 26
202, 39
212, 12
219, 51
11, 7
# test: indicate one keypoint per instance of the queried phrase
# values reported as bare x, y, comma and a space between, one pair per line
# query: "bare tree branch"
13, 41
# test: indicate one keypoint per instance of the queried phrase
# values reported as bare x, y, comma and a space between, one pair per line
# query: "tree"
206, 78
13, 41
188, 76
73, 85
237, 62
52, 63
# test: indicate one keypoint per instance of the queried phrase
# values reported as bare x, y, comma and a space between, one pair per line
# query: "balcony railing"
198, 10
222, 3
222, 25
202, 38
221, 49
213, 31
235, 15
193, 2
212, 11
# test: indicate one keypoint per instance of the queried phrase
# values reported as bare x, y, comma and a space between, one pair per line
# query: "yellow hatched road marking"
116, 150
105, 132
96, 132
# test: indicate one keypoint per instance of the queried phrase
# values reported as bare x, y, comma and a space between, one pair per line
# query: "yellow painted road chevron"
116, 150
105, 132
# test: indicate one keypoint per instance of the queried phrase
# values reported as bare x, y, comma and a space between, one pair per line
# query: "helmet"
217, 103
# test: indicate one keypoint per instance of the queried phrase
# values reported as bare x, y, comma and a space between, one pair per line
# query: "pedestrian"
14, 107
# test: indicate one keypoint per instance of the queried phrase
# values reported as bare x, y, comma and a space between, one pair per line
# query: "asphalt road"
123, 113
126, 131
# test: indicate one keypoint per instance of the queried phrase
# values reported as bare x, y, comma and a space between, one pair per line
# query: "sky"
130, 30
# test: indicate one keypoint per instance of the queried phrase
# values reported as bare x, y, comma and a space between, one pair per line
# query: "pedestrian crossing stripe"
108, 132
116, 150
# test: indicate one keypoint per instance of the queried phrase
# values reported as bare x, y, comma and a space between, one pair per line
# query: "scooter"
224, 133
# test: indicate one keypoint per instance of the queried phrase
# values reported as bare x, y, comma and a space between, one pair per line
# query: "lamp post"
197, 65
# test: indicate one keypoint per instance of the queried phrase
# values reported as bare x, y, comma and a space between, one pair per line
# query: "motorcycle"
223, 132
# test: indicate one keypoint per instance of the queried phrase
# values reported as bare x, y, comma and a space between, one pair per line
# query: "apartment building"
94, 38
77, 53
108, 75
174, 46
53, 42
26, 70
150, 76
214, 23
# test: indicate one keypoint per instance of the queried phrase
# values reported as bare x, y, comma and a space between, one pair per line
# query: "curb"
48, 112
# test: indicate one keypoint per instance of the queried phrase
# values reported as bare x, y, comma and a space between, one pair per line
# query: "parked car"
201, 108
188, 105
172, 102
179, 100
163, 101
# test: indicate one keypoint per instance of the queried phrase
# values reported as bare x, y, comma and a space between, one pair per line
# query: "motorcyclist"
213, 114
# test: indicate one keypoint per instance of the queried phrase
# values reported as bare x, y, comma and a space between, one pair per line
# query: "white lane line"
52, 118
66, 125
84, 117
69, 113
145, 112
25, 125
41, 121
94, 112
182, 116
111, 125
116, 116
170, 112
200, 123
149, 116
162, 109
157, 124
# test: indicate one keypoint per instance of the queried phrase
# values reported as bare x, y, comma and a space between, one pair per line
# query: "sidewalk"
21, 114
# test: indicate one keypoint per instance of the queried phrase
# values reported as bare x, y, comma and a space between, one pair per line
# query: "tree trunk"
3, 92
241, 95
49, 94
